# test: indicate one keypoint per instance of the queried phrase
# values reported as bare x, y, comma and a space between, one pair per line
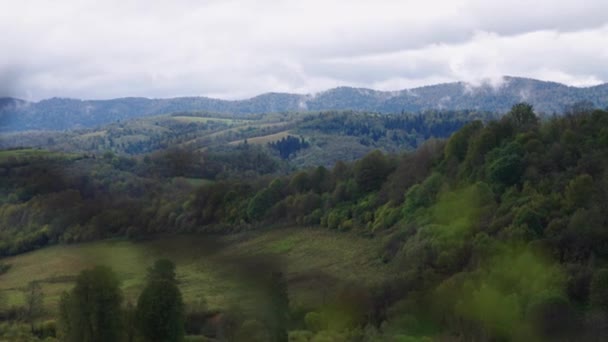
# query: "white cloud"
235, 49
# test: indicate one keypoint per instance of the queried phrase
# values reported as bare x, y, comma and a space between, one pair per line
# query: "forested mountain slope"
498, 233
62, 114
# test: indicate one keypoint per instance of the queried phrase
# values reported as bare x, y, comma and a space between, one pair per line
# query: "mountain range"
64, 114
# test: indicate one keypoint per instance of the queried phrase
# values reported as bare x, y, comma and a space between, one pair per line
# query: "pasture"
212, 270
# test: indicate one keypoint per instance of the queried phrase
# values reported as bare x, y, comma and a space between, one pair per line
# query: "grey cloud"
236, 49
521, 16
10, 77
378, 68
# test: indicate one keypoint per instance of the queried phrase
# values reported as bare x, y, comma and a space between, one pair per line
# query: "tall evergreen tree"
279, 307
91, 312
160, 309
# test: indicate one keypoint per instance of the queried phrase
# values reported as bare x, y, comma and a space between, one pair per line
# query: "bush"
4, 268
314, 321
598, 291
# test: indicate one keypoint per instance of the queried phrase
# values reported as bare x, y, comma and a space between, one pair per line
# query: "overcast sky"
236, 49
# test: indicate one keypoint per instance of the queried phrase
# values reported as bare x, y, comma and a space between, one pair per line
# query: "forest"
490, 228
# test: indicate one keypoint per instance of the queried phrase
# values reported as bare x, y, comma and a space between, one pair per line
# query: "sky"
236, 49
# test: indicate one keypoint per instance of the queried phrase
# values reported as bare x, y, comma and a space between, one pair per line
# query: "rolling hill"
64, 114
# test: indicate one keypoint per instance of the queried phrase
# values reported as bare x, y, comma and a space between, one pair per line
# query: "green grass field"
315, 262
262, 140
207, 119
29, 153
195, 182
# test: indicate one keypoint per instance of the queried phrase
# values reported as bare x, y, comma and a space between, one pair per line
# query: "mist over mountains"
64, 114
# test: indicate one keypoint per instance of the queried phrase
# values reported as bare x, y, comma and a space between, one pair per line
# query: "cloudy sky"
240, 48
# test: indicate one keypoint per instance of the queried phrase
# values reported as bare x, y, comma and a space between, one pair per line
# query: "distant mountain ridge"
62, 114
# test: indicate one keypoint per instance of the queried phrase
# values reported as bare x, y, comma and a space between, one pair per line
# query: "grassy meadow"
212, 270
199, 119
262, 140
25, 154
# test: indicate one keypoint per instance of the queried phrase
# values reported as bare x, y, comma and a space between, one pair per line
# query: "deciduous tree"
34, 303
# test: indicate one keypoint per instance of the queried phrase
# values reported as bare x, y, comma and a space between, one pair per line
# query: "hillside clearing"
207, 119
261, 140
26, 154
314, 261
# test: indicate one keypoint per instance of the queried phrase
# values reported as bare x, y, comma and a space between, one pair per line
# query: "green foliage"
289, 145
371, 171
598, 292
13, 331
3, 302
505, 165
34, 303
338, 218
458, 212
279, 307
314, 321
91, 311
498, 294
458, 143
422, 195
385, 217
252, 330
263, 201
162, 270
300, 182
579, 192
160, 309
523, 117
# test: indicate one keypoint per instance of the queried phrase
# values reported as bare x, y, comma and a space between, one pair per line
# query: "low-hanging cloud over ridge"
237, 49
